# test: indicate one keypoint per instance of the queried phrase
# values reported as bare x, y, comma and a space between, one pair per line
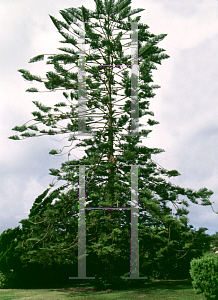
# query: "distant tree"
169, 249
50, 233
214, 242
8, 241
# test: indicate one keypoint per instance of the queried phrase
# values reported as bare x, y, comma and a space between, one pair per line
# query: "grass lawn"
155, 290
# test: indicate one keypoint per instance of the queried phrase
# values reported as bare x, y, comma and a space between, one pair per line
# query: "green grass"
155, 290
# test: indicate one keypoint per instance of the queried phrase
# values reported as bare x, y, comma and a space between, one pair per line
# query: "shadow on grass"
170, 284
87, 288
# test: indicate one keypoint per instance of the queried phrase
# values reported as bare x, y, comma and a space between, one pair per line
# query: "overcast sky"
185, 105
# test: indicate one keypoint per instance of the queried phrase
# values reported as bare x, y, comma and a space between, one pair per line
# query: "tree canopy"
50, 234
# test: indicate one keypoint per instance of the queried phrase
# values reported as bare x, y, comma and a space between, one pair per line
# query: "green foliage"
42, 107
214, 242
61, 104
53, 152
37, 58
171, 249
3, 280
32, 90
8, 279
38, 116
27, 134
204, 274
33, 127
14, 137
26, 75
152, 122
20, 128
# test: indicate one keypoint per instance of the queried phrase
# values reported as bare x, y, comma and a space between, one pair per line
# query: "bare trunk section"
110, 155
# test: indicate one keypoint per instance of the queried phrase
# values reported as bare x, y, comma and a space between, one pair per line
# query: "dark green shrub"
2, 280
7, 279
204, 274
37, 276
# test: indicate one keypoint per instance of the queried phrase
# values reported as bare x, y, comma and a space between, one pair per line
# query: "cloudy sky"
186, 105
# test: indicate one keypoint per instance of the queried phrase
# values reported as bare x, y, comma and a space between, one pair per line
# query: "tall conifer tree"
50, 234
